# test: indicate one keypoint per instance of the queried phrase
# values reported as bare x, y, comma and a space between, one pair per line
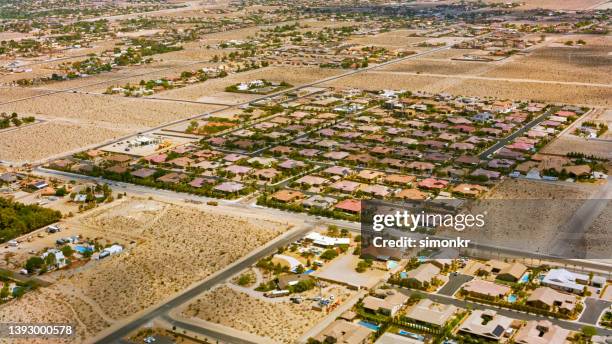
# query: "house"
172, 177
399, 179
143, 172
338, 171
344, 332
486, 173
421, 277
470, 190
565, 280
433, 183
349, 205
318, 201
389, 305
428, 313
60, 261
375, 190
487, 324
510, 272
286, 281
392, 338
287, 196
549, 299
410, 194
541, 332
326, 241
345, 186
311, 180
229, 187
485, 289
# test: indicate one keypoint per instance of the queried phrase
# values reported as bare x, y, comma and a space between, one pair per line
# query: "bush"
329, 254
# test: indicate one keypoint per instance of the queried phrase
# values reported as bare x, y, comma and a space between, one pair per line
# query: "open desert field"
175, 246
559, 5
589, 63
167, 248
121, 112
516, 209
424, 65
392, 39
283, 322
598, 237
49, 305
45, 140
214, 90
8, 94
544, 92
375, 80
571, 143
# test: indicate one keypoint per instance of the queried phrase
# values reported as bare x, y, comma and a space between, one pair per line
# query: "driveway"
454, 283
593, 309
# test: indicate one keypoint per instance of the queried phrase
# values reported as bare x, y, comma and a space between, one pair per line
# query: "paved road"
594, 308
454, 283
570, 325
162, 309
514, 135
223, 337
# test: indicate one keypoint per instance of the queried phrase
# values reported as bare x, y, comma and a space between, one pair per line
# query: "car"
149, 339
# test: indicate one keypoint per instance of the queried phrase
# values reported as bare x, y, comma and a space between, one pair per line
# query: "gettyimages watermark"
448, 228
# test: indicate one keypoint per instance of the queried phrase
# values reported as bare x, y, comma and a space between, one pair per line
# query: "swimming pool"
308, 272
369, 325
512, 298
525, 278
403, 274
82, 249
391, 264
411, 335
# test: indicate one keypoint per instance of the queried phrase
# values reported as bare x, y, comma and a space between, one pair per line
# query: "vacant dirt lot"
589, 63
392, 39
167, 247
174, 247
517, 209
435, 66
567, 94
281, 321
124, 113
41, 141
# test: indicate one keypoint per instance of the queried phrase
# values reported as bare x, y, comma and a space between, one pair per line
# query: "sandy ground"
171, 247
559, 5
281, 321
393, 39
8, 94
598, 237
45, 140
589, 63
48, 305
122, 112
571, 143
519, 209
436, 66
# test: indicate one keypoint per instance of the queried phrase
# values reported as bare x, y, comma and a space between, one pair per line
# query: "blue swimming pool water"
403, 274
391, 264
525, 278
368, 325
512, 298
308, 272
411, 335
82, 249
422, 259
